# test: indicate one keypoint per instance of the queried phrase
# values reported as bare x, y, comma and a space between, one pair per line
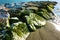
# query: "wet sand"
48, 32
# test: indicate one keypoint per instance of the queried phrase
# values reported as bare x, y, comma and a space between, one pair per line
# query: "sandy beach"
49, 32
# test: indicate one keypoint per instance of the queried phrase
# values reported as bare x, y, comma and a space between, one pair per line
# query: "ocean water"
17, 1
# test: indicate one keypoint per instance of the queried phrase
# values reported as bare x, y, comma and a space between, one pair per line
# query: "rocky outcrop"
32, 15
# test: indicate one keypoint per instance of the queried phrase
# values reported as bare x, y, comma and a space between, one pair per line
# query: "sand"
49, 32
